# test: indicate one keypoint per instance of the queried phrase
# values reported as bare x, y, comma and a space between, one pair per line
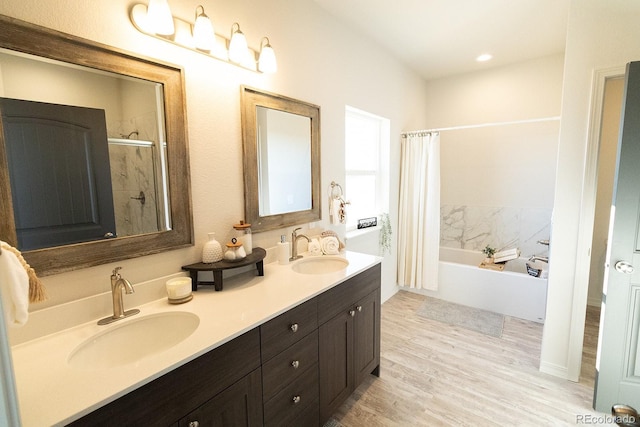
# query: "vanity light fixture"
200, 37
238, 48
267, 60
484, 57
203, 34
159, 17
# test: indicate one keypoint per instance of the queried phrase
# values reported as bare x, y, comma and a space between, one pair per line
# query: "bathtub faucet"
534, 258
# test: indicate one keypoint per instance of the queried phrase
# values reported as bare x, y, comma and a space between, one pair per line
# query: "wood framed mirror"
281, 142
21, 41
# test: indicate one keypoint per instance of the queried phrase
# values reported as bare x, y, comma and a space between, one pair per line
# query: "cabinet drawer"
342, 297
287, 366
293, 401
288, 328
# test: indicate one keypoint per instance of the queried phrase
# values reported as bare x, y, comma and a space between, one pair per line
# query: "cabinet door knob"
295, 364
352, 312
294, 327
359, 308
194, 424
296, 399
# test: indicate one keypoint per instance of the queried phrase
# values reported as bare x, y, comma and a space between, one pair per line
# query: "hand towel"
330, 245
334, 210
314, 247
14, 286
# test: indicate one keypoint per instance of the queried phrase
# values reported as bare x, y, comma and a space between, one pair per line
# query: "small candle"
178, 288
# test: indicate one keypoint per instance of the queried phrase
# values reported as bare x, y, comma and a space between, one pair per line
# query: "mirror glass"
284, 161
281, 140
93, 151
48, 190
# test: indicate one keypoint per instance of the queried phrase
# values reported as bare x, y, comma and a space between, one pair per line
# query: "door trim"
587, 215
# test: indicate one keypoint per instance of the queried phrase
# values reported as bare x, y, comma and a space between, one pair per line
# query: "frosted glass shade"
267, 62
159, 17
203, 35
238, 48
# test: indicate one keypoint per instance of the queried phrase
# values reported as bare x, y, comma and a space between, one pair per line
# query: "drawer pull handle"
294, 327
295, 364
359, 308
194, 424
352, 313
296, 399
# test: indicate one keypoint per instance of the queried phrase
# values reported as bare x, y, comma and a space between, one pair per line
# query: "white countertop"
51, 392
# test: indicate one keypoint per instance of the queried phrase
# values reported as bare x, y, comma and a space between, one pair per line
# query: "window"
366, 165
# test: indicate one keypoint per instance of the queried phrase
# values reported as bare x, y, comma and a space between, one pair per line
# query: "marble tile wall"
474, 227
132, 171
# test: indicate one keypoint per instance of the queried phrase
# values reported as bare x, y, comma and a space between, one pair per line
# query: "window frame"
381, 171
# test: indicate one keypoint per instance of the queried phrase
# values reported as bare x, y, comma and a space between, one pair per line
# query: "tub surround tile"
474, 227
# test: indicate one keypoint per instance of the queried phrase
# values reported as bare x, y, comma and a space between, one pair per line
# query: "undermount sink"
320, 265
133, 340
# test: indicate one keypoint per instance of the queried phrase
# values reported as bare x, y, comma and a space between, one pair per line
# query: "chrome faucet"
294, 244
118, 283
534, 258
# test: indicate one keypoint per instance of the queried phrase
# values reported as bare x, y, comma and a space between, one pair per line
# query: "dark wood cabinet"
294, 370
366, 337
238, 406
349, 340
166, 400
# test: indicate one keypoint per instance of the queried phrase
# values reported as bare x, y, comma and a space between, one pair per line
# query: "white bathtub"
511, 292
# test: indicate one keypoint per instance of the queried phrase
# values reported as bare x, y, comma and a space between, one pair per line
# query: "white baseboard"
555, 370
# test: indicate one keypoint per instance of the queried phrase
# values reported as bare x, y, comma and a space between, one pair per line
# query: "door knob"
624, 267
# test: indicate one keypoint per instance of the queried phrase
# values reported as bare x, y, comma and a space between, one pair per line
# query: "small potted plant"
488, 251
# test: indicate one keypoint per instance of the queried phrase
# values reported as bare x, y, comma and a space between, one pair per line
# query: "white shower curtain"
419, 211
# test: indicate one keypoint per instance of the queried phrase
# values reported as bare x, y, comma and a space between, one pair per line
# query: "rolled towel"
330, 245
14, 287
314, 247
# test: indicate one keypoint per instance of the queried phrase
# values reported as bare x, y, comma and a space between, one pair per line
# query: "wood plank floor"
434, 374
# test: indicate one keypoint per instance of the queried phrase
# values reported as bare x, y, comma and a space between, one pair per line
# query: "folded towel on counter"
314, 247
330, 245
14, 287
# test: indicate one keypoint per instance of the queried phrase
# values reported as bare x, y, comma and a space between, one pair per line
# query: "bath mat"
332, 423
475, 319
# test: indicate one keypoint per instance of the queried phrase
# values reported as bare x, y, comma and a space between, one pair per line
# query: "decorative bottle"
212, 250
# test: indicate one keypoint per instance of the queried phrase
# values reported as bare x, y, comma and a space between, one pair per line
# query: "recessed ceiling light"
484, 57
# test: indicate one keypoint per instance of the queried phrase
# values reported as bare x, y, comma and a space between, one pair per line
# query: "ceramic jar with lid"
242, 232
235, 251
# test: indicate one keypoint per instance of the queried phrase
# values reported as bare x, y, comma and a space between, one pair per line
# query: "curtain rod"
515, 122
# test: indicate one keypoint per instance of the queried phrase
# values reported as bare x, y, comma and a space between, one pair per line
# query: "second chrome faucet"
294, 244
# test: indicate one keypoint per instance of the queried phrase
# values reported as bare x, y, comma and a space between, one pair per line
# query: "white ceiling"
443, 37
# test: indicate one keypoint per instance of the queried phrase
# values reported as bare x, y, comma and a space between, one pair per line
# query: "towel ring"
333, 189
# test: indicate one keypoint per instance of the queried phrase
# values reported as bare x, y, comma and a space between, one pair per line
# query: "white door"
618, 362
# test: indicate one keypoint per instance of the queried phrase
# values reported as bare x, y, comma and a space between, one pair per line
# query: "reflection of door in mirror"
134, 127
284, 161
59, 172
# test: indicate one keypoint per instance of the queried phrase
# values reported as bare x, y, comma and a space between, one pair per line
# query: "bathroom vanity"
282, 349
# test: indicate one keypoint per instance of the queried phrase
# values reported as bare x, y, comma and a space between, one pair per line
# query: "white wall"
601, 34
320, 61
